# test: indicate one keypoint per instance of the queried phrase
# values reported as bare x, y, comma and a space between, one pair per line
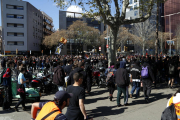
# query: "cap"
62, 95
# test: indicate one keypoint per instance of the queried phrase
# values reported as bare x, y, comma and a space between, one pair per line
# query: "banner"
58, 51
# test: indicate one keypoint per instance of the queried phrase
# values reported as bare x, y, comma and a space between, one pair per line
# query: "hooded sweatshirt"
121, 76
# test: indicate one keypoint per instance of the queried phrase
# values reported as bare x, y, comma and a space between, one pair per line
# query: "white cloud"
74, 8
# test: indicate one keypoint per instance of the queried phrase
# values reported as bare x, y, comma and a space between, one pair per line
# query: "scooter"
32, 93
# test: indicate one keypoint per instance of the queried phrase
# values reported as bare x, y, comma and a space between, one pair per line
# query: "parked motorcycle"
102, 80
95, 76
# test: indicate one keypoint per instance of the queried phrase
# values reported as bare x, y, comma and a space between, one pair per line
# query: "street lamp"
170, 27
4, 47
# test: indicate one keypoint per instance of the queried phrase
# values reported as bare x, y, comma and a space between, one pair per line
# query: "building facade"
22, 27
65, 22
47, 25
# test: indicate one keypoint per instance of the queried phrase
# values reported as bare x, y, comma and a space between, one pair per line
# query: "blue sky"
49, 7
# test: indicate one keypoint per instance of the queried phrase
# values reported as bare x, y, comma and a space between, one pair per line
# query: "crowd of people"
137, 71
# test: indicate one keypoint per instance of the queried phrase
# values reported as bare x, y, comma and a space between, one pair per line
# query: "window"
135, 1
131, 8
135, 13
130, 1
10, 6
15, 34
20, 43
20, 25
15, 25
135, 6
10, 25
10, 16
20, 7
20, 16
36, 14
15, 16
14, 7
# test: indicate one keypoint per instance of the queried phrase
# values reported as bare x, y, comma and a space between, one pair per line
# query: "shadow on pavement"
105, 111
153, 98
90, 101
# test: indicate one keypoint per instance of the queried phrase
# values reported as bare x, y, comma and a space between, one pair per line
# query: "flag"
58, 50
63, 40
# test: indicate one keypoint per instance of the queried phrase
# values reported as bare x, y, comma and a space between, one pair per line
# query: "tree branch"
102, 13
125, 5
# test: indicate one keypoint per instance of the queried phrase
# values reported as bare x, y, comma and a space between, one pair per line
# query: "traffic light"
124, 48
16, 51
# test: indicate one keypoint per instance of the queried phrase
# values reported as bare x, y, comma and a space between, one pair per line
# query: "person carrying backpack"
171, 73
58, 77
109, 73
172, 112
147, 78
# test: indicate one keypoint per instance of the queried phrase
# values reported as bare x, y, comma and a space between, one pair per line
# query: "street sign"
107, 46
99, 48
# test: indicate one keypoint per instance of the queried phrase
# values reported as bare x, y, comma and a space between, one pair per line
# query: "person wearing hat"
51, 109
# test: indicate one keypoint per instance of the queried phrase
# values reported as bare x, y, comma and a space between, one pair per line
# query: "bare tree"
144, 30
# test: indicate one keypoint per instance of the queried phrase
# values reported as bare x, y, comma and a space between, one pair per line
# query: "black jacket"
151, 75
121, 77
135, 71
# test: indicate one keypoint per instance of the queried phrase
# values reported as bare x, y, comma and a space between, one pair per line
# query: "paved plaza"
100, 107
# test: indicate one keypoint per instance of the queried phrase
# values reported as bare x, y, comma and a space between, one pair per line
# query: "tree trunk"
157, 26
112, 46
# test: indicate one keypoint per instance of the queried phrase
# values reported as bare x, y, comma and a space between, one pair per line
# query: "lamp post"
170, 26
4, 48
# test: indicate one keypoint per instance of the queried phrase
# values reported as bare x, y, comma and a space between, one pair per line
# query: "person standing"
59, 75
7, 86
147, 79
21, 82
122, 81
76, 109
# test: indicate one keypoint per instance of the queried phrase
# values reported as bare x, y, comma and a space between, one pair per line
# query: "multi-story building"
1, 39
65, 21
132, 11
47, 25
22, 27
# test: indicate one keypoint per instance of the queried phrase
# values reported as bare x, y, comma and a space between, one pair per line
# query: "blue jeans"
136, 86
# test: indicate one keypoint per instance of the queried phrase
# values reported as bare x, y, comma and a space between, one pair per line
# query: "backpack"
171, 69
58, 77
144, 72
110, 75
1, 76
169, 113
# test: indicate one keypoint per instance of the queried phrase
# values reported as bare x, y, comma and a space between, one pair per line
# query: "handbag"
21, 88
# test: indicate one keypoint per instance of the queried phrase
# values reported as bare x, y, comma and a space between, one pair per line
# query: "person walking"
122, 81
53, 109
21, 89
109, 73
135, 72
76, 109
147, 78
